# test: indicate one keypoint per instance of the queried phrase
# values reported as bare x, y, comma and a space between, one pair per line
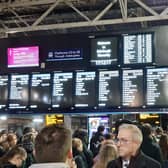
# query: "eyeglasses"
122, 141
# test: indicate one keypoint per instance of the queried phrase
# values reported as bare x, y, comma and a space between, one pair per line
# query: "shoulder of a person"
112, 164
150, 161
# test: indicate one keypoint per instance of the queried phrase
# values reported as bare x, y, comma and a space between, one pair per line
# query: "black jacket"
8, 165
95, 143
152, 149
139, 161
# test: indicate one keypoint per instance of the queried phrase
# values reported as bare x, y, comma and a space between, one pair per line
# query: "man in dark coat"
129, 140
96, 140
149, 146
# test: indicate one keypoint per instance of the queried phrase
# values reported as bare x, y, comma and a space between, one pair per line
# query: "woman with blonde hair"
79, 157
107, 153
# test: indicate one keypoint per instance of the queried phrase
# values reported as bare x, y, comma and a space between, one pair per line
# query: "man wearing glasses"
128, 141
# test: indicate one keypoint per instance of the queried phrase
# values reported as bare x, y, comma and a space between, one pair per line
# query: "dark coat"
139, 161
8, 165
95, 143
80, 159
152, 149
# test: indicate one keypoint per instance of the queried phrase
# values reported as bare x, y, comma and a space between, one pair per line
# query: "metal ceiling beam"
27, 3
123, 8
46, 13
147, 8
77, 11
164, 12
87, 24
96, 21
105, 10
10, 9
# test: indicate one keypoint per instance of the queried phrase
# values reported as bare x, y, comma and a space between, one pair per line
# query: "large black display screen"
132, 91
19, 91
85, 89
104, 51
137, 48
40, 91
3, 91
157, 87
109, 89
62, 90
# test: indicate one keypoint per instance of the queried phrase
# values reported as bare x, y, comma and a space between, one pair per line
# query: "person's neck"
126, 158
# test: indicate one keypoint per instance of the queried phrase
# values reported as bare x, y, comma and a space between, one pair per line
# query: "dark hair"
17, 150
81, 134
159, 130
27, 130
100, 128
146, 130
108, 136
52, 144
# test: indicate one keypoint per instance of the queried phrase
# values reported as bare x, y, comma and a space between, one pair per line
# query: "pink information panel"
23, 56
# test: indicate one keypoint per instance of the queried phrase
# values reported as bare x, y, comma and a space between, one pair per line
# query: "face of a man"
126, 146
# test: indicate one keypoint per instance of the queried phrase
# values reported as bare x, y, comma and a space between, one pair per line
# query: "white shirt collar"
125, 163
49, 165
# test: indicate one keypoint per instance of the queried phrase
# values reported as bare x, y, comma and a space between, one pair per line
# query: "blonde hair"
76, 143
136, 132
107, 153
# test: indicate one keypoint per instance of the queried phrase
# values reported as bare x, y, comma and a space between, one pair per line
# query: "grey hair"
136, 132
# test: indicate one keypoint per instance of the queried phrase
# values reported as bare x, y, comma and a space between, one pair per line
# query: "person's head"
81, 134
146, 130
77, 144
100, 128
107, 153
120, 122
159, 131
129, 140
53, 144
12, 139
15, 156
29, 130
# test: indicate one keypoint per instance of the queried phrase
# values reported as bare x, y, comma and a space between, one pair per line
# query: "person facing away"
13, 158
128, 141
96, 140
149, 146
107, 153
53, 148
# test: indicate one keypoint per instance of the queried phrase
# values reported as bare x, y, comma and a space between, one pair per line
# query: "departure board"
3, 91
132, 88
157, 87
85, 89
62, 90
40, 91
109, 89
104, 51
19, 91
138, 48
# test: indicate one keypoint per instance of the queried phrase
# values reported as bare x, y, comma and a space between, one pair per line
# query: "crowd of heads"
56, 143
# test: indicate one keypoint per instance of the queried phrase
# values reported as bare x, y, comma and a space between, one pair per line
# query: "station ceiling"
28, 17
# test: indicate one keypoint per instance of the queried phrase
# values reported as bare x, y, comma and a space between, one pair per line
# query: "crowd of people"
55, 146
